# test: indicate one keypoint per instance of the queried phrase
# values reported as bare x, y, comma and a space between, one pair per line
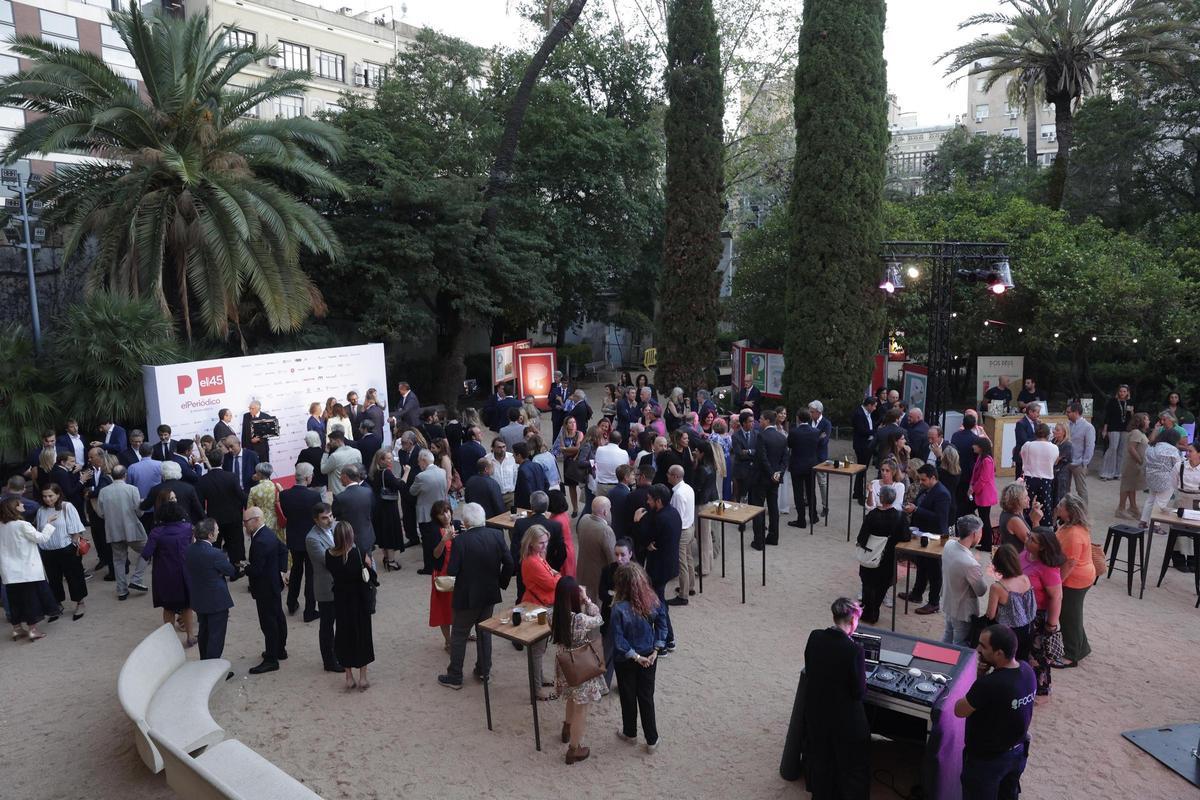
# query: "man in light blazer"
209, 570
482, 567
118, 505
338, 455
318, 540
428, 487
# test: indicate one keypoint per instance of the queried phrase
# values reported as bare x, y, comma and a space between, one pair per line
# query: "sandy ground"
723, 699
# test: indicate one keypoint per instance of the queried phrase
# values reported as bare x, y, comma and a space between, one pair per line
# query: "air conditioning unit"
36, 206
276, 62
360, 75
980, 119
12, 203
39, 234
1012, 115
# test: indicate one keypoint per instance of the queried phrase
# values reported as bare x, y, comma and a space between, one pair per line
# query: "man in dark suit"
803, 441
747, 397
627, 412
353, 409
837, 736
636, 500
182, 456
368, 442
581, 411
661, 528
770, 462
66, 475
618, 496
409, 455
482, 567
209, 570
408, 407
165, 445
556, 400
113, 438
467, 455
185, 493
224, 427
93, 480
930, 513
374, 412
131, 455
1025, 431
891, 424
741, 452
482, 488
240, 462
297, 505
530, 476
355, 504
963, 441
917, 434
223, 498
268, 563
556, 549
261, 445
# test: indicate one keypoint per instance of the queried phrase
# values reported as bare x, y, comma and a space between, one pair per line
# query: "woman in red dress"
441, 613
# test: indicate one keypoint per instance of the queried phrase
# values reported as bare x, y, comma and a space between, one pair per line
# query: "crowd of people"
612, 542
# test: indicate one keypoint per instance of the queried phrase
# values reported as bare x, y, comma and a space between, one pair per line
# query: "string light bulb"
1093, 338
1056, 336
1135, 340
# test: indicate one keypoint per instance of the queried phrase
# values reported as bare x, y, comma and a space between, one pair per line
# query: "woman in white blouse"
60, 553
21, 568
889, 475
339, 419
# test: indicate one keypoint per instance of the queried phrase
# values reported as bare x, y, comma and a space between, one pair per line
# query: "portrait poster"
535, 372
754, 369
915, 386
774, 375
502, 363
989, 370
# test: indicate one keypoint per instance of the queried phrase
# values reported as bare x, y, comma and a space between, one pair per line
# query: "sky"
918, 31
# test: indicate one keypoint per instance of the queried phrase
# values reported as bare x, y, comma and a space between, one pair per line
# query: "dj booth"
912, 686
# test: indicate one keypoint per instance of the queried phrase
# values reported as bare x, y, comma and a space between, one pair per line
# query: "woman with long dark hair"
574, 618
1041, 561
1078, 574
983, 489
639, 625
60, 553
441, 612
352, 579
1011, 598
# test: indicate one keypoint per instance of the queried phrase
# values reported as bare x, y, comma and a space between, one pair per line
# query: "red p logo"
183, 382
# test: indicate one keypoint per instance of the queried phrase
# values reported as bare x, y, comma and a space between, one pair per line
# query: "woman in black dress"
389, 534
885, 521
352, 581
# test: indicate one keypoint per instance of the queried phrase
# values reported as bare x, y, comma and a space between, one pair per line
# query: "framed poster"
915, 386
754, 369
990, 369
535, 372
774, 375
502, 363
736, 375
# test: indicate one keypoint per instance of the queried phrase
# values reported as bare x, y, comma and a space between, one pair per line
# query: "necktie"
237, 466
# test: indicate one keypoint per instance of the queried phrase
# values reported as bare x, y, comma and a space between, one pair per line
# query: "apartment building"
990, 112
343, 51
909, 153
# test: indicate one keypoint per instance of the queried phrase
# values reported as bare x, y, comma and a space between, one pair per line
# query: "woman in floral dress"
575, 616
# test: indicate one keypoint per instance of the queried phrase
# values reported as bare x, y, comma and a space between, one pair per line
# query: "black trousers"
429, 540
804, 495
64, 563
212, 633
556, 423
768, 494
233, 540
301, 568
929, 573
862, 456
273, 624
408, 505
325, 635
100, 539
985, 516
635, 686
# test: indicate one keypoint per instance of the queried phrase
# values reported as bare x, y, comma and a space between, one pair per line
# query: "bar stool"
1173, 535
1137, 540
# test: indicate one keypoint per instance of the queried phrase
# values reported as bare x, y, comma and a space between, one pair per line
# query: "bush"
24, 396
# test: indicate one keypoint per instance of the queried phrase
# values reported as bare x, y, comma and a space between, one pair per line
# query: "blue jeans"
957, 631
995, 777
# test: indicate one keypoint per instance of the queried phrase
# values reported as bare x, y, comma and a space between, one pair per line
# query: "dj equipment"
266, 427
913, 684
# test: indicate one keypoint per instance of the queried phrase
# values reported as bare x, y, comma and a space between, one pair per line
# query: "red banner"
535, 373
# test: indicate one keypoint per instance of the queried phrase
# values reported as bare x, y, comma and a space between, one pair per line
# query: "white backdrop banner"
989, 370
188, 396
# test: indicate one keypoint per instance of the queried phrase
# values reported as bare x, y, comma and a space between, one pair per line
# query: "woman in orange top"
540, 583
1078, 573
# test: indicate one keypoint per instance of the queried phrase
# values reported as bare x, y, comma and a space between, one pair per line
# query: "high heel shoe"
392, 565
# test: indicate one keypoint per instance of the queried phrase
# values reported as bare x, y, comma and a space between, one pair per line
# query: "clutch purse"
444, 583
84, 547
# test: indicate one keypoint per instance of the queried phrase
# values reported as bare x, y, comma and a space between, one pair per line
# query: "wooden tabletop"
506, 520
736, 513
844, 469
526, 633
933, 549
1170, 518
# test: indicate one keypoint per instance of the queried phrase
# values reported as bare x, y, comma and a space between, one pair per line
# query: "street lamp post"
12, 179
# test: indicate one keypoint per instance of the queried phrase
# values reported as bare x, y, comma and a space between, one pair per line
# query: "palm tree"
184, 197
1062, 46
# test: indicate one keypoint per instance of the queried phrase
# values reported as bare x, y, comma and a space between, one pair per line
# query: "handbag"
872, 554
1098, 560
576, 471
1054, 646
84, 547
580, 664
443, 583
371, 579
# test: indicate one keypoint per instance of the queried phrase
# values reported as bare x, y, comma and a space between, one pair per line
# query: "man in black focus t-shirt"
998, 709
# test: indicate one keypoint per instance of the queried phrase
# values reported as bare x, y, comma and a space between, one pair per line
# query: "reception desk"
1003, 433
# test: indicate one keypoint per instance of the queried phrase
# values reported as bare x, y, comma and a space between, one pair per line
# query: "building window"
60, 29
7, 29
372, 74
331, 66
288, 106
1047, 132
981, 111
981, 83
1012, 133
114, 51
240, 38
333, 108
295, 56
980, 132
11, 119
252, 113
9, 65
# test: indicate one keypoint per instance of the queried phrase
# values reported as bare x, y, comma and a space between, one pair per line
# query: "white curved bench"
160, 689
228, 770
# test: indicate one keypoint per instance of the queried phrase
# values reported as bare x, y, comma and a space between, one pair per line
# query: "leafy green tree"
977, 161
1062, 46
688, 310
97, 353
753, 307
25, 395
833, 305
188, 206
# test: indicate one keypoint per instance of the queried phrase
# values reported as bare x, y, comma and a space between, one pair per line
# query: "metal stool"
1137, 540
1173, 535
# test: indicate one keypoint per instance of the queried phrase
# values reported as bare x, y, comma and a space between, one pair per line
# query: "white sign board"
188, 396
989, 370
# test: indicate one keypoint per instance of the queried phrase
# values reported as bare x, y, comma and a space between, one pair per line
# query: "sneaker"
650, 748
123, 596
888, 602
138, 587
670, 647
87, 575
450, 683
627, 739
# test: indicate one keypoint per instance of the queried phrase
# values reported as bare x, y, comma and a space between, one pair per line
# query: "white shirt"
608, 458
683, 500
873, 500
1191, 477
20, 561
504, 472
870, 422
1038, 457
67, 523
77, 443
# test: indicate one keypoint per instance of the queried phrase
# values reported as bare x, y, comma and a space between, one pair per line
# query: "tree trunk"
1031, 126
451, 346
506, 151
181, 278
1064, 131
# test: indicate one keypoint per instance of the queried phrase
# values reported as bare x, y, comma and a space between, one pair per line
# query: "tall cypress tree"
688, 314
834, 309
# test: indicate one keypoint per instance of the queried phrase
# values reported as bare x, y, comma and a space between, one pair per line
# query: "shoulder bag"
580, 664
872, 554
443, 583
